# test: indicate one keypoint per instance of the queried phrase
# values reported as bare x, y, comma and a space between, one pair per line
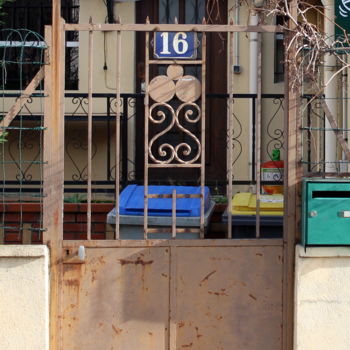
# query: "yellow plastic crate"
245, 204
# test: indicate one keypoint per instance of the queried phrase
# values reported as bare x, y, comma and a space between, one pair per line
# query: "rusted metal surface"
161, 90
145, 215
118, 299
117, 133
54, 168
89, 137
258, 137
174, 297
203, 117
158, 294
173, 28
223, 303
230, 133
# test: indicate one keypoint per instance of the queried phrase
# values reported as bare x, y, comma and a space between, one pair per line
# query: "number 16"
179, 38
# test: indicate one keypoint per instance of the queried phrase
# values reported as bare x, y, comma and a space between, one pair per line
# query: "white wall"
24, 298
322, 298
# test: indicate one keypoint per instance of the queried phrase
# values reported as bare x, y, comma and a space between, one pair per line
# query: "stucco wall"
24, 298
322, 298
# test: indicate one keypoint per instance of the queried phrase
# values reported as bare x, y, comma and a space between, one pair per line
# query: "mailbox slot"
330, 194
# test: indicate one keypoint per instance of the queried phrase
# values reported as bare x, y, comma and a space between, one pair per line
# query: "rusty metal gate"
159, 294
174, 295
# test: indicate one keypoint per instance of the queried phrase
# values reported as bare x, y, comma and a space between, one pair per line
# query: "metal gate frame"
54, 156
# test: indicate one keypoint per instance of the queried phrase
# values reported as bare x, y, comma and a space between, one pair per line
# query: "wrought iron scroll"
174, 111
77, 141
183, 152
29, 145
276, 136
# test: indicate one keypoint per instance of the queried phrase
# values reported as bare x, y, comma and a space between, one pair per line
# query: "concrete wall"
322, 298
24, 298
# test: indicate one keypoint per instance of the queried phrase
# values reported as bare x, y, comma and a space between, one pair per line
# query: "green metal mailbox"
326, 212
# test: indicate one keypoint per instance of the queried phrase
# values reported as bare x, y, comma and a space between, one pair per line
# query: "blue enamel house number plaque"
177, 45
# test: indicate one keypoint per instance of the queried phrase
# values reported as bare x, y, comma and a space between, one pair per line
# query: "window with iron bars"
34, 15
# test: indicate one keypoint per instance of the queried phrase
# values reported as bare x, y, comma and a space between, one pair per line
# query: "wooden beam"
22, 100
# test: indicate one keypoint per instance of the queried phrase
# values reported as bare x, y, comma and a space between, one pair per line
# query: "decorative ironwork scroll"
175, 110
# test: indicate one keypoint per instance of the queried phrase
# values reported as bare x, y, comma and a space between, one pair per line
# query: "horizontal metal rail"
217, 28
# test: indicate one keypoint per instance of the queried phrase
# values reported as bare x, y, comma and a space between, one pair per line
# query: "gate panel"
174, 297
229, 298
117, 300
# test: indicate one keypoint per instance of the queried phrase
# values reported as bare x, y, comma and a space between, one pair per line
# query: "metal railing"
132, 109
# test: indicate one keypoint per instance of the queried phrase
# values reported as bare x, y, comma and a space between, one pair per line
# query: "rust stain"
69, 267
138, 261
222, 289
55, 218
197, 331
93, 275
116, 329
219, 259
100, 324
72, 283
72, 306
181, 324
101, 260
258, 254
205, 279
253, 297
218, 293
187, 345
150, 333
219, 317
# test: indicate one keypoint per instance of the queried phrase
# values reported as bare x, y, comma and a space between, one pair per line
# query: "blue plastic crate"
132, 201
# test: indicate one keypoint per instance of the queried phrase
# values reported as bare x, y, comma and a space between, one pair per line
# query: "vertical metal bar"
125, 142
258, 141
54, 169
173, 277
117, 137
290, 182
108, 139
253, 136
204, 49
309, 135
145, 215
230, 134
173, 216
89, 169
